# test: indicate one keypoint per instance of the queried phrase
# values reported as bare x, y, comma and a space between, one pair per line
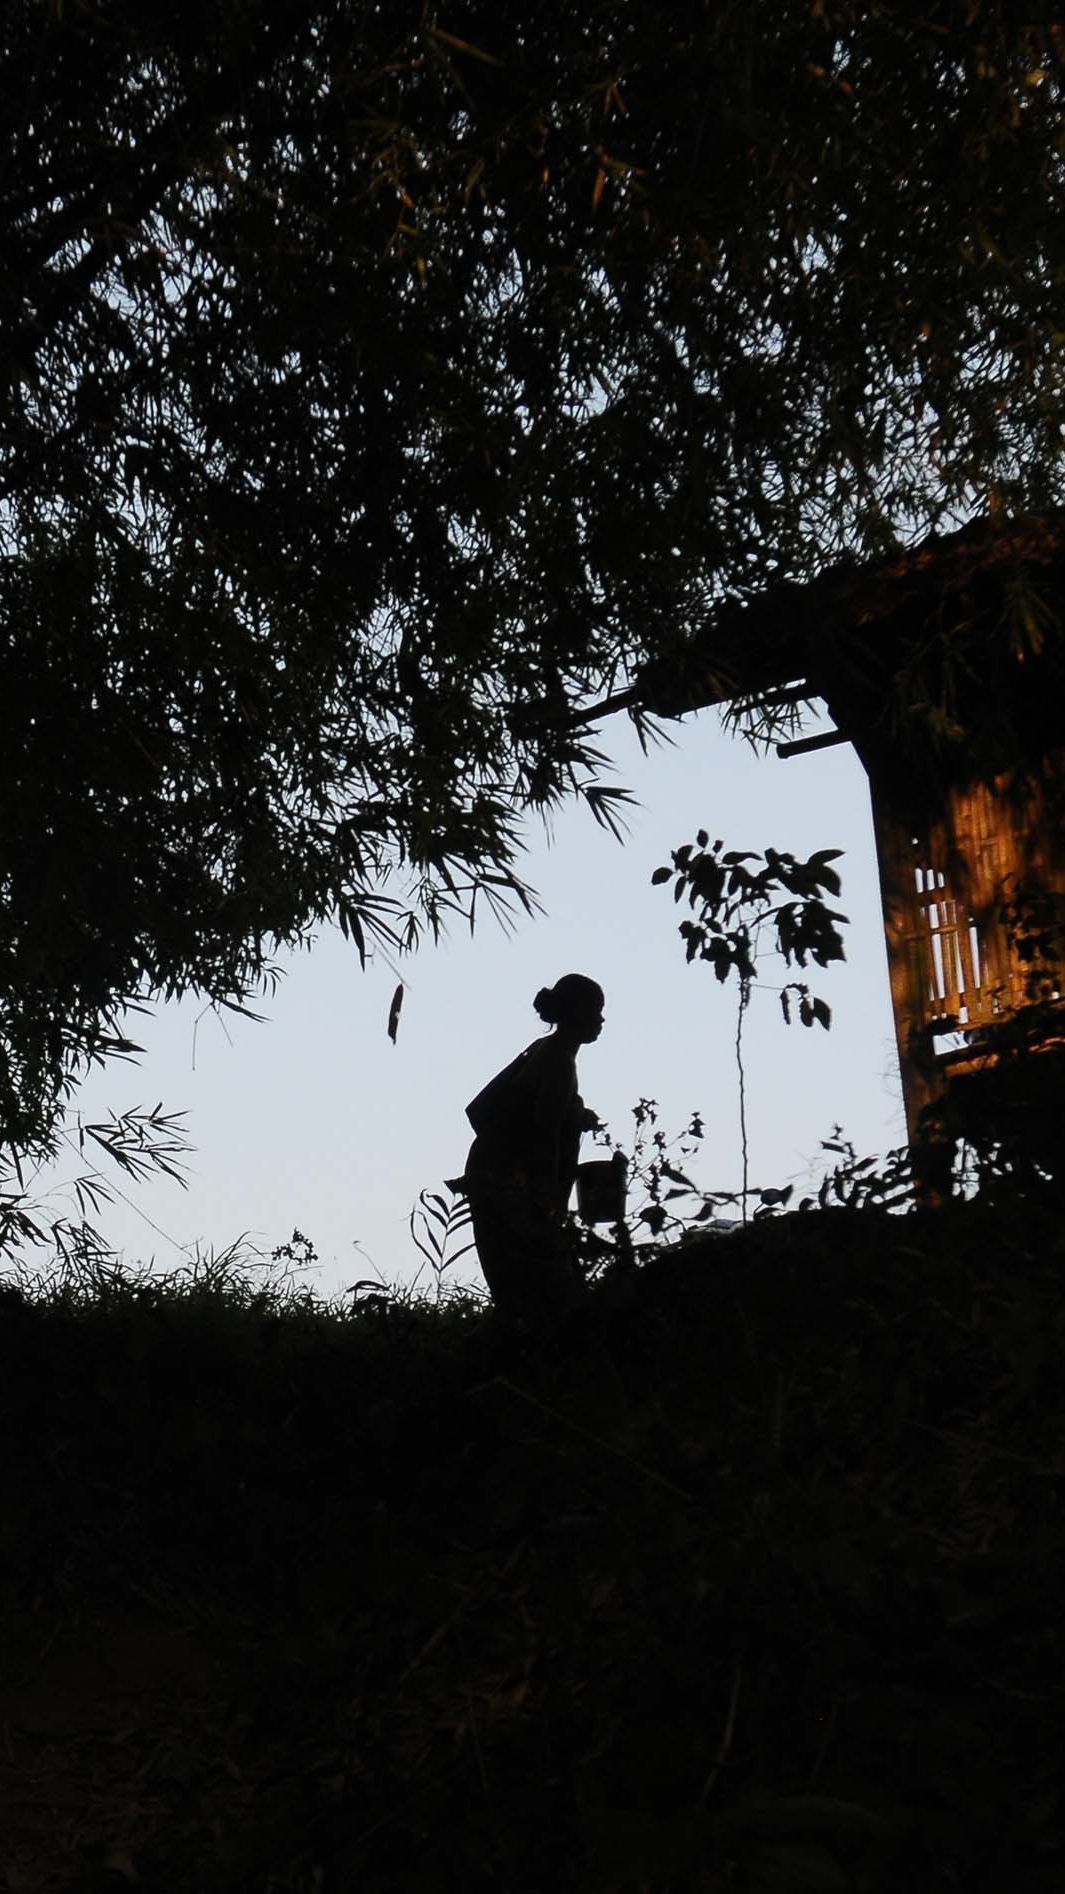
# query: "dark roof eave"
793, 631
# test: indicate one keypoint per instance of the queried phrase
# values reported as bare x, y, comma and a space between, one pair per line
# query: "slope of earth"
752, 1582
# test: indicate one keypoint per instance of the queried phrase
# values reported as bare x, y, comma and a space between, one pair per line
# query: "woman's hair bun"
569, 999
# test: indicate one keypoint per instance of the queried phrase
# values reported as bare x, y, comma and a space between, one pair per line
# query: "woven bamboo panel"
953, 944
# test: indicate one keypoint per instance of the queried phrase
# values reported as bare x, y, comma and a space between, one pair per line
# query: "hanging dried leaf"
394, 1012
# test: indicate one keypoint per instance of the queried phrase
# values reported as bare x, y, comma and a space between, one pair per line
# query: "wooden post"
923, 1087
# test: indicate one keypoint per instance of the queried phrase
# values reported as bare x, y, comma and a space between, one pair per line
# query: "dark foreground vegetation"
757, 1585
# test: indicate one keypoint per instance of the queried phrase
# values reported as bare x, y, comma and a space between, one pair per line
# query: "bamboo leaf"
394, 1012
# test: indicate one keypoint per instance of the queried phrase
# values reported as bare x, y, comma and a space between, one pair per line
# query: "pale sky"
315, 1120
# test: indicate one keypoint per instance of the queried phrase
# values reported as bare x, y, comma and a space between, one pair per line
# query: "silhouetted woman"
523, 1162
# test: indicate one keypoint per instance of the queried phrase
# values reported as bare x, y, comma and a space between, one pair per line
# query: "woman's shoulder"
550, 1062
548, 1051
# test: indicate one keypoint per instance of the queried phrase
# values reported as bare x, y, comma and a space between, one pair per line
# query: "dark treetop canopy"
381, 384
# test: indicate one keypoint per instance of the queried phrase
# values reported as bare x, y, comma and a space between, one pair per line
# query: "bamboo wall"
956, 965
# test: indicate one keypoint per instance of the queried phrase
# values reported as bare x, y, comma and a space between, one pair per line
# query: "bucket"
601, 1190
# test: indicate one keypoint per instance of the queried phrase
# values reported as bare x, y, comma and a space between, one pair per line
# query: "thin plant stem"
745, 994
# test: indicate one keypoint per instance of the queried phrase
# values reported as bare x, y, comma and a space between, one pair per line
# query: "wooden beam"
804, 745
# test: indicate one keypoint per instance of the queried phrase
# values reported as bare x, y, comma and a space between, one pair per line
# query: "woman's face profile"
589, 1021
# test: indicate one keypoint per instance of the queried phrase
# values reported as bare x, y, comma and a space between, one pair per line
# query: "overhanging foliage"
383, 384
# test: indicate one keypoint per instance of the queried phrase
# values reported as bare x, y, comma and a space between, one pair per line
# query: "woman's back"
521, 1112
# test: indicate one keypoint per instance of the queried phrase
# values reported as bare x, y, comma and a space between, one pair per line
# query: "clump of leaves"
441, 1223
856, 1183
734, 904
138, 1142
668, 1202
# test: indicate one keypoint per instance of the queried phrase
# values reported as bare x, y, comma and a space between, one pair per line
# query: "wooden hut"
945, 668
